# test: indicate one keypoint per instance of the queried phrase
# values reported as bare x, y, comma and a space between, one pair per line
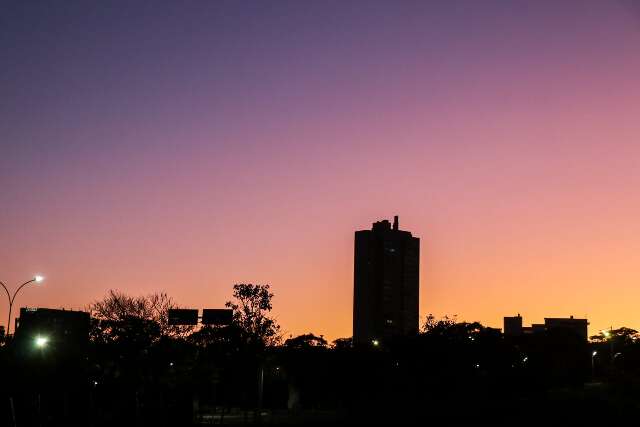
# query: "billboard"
183, 316
217, 316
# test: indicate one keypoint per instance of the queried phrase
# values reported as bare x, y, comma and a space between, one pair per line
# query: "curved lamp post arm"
5, 289
9, 298
20, 287
13, 298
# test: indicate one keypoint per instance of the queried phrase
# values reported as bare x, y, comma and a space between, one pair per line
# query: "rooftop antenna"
395, 222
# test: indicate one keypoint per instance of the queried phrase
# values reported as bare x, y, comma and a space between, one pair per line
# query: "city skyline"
422, 316
185, 150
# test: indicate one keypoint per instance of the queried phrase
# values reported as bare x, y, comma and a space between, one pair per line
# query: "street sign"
217, 316
183, 316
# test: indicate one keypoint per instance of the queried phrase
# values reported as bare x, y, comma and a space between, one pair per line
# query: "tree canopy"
306, 341
251, 305
121, 317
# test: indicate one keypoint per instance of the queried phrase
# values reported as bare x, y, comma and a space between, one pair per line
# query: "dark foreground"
592, 404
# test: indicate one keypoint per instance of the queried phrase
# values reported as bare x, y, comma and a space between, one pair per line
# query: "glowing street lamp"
609, 336
36, 279
41, 341
375, 343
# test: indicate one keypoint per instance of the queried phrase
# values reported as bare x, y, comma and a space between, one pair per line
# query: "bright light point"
41, 341
375, 343
594, 353
39, 279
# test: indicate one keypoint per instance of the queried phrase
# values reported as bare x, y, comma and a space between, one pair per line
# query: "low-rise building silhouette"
64, 331
386, 283
513, 326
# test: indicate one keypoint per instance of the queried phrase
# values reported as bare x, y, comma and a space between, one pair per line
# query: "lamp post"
36, 279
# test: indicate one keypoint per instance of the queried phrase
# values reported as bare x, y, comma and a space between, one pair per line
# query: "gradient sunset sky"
187, 146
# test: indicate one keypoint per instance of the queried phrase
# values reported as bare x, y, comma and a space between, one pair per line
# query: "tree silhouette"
306, 341
250, 307
621, 335
144, 319
342, 343
435, 326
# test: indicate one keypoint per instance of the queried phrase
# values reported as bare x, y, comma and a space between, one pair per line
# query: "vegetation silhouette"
251, 305
138, 369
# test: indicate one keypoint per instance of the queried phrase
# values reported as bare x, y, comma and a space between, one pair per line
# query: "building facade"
386, 283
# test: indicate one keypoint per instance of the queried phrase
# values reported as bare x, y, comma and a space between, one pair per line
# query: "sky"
186, 146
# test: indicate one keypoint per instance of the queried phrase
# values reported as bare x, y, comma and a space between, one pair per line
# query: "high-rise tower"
386, 283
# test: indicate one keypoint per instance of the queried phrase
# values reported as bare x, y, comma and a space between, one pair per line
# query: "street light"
609, 336
36, 279
41, 341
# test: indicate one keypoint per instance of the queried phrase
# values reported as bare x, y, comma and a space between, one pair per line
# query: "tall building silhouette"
386, 283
